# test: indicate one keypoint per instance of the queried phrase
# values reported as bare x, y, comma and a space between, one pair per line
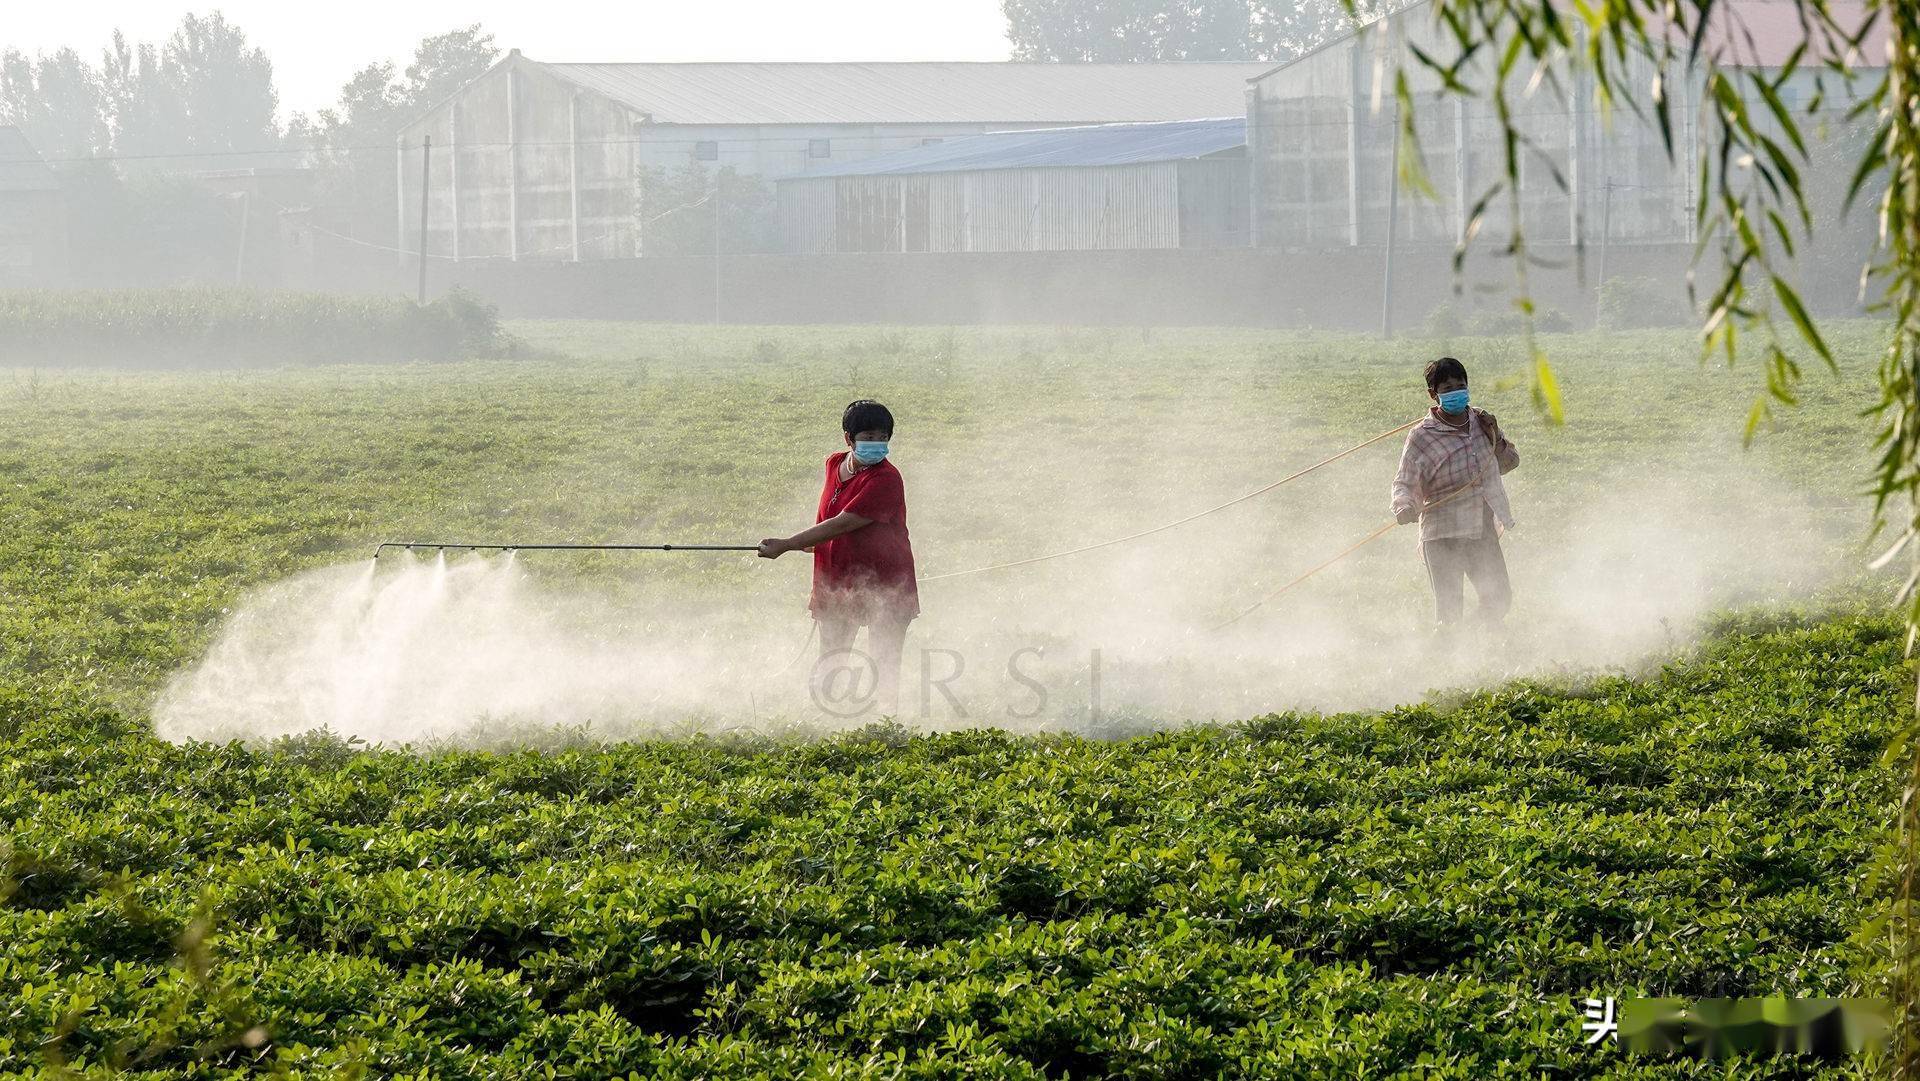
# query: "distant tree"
368, 112
57, 100
375, 102
446, 62
302, 132
1125, 30
206, 91
225, 86
677, 207
1283, 29
353, 141
352, 144
143, 106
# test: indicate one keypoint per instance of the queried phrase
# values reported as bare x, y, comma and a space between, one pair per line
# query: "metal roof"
1103, 144
991, 92
21, 168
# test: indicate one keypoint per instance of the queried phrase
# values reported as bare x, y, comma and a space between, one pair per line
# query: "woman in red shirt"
862, 558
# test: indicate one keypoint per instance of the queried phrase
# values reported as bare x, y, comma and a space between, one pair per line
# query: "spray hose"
928, 578
1472, 485
1363, 542
1264, 489
384, 545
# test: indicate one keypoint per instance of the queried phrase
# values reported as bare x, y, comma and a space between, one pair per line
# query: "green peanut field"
1315, 842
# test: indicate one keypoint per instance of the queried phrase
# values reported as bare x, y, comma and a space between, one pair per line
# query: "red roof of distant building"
1765, 33
1741, 34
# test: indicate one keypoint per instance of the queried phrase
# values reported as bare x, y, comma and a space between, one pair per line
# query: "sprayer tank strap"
1445, 457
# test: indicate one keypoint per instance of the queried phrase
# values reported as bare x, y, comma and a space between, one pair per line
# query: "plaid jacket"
1440, 459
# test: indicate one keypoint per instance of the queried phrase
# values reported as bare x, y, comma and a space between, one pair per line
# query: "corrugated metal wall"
509, 148
1154, 205
807, 214
1321, 134
1213, 203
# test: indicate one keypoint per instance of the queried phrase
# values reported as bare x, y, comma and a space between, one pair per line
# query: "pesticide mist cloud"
1610, 573
407, 649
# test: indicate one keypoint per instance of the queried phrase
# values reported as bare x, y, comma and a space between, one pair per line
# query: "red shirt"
866, 574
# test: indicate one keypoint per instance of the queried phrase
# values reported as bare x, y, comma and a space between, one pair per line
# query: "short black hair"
1442, 368
866, 415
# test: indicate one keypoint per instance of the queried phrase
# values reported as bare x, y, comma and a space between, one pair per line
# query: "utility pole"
1354, 114
513, 161
1393, 219
426, 188
1606, 232
573, 173
716, 244
400, 205
453, 181
246, 219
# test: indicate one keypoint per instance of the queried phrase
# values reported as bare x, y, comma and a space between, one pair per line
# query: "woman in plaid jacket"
1449, 481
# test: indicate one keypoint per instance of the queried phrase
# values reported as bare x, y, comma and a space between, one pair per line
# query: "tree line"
207, 90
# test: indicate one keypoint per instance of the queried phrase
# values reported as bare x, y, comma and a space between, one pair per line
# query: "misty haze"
1279, 538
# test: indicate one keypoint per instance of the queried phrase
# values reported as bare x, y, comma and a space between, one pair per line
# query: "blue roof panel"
1100, 144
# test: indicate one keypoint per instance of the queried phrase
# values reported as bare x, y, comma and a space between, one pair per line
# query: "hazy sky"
315, 47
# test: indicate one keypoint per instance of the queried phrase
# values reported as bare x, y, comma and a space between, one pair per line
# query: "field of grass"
1425, 887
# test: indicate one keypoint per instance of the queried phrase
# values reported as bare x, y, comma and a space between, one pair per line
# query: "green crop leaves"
1332, 895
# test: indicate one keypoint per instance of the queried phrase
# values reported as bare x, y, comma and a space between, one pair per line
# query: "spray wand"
443, 545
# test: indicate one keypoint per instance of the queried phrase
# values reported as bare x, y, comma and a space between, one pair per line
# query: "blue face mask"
867, 452
1454, 401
